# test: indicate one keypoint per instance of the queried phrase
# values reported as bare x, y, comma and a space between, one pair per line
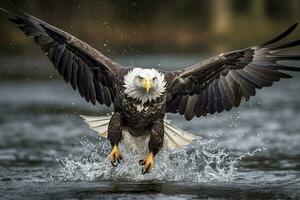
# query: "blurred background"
253, 150
142, 28
139, 27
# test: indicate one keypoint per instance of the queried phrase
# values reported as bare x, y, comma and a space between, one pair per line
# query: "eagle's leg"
154, 146
115, 137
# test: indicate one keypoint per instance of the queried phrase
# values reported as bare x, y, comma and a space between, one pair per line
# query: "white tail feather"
174, 137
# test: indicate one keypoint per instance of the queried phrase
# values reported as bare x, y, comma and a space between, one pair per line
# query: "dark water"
47, 152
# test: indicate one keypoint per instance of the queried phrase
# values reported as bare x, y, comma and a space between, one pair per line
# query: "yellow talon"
115, 156
148, 163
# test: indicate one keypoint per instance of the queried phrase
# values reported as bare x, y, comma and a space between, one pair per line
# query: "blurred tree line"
156, 26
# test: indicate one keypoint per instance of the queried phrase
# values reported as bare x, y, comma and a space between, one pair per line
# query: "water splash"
251, 154
202, 161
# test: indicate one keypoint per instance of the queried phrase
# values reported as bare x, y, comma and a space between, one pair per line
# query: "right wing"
221, 82
82, 66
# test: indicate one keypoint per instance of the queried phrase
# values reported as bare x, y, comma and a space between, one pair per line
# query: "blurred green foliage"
155, 26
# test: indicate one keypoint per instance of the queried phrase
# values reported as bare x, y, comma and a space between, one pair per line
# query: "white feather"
174, 137
131, 90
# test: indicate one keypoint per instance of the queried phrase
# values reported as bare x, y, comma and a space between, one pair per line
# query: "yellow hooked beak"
148, 83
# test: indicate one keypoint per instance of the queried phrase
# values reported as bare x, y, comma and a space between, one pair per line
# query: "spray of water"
202, 161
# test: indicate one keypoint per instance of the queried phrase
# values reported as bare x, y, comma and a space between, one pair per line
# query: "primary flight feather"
142, 97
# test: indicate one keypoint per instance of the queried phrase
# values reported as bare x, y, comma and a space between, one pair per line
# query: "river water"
47, 152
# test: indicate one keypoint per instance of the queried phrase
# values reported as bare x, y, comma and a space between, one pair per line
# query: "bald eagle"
142, 97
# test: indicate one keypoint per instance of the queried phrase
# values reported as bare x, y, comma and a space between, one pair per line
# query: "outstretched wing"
221, 82
82, 66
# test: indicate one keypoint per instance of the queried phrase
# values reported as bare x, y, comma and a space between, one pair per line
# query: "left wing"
85, 68
221, 82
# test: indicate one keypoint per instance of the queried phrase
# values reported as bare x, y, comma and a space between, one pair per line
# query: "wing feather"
74, 74
221, 82
204, 103
219, 106
182, 105
189, 111
225, 100
211, 99
82, 66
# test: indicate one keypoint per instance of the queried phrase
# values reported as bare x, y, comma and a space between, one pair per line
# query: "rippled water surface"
47, 152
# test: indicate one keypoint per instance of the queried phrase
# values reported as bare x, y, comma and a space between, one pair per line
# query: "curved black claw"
147, 170
142, 162
116, 162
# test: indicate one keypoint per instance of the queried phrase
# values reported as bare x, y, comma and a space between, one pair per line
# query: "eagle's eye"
154, 79
140, 78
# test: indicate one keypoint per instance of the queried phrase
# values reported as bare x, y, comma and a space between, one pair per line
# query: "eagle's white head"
144, 85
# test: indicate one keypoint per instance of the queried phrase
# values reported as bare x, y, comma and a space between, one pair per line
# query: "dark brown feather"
183, 104
189, 111
74, 74
221, 82
73, 58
